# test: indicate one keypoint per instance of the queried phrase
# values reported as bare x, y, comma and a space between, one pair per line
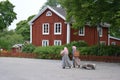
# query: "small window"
48, 13
57, 28
57, 42
82, 31
100, 31
113, 43
102, 42
45, 28
45, 43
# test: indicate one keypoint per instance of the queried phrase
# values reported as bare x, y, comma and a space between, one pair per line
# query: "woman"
65, 58
76, 60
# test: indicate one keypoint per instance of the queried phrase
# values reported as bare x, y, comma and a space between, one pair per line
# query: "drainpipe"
68, 32
31, 32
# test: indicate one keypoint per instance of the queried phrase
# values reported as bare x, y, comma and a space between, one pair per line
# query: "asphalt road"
39, 69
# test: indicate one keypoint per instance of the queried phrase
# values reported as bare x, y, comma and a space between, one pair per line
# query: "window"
45, 43
113, 43
101, 32
45, 28
48, 13
102, 42
82, 31
57, 42
57, 28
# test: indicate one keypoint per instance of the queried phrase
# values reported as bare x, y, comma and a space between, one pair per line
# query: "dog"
89, 66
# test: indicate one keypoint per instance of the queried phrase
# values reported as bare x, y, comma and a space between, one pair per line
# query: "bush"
103, 50
49, 52
28, 48
5, 44
78, 44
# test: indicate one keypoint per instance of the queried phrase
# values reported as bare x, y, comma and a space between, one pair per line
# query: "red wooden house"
49, 27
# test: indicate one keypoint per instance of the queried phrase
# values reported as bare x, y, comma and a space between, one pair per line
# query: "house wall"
37, 35
114, 40
91, 35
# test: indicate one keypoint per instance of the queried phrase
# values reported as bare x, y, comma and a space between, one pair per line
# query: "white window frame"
103, 42
57, 32
48, 13
45, 43
113, 43
57, 42
100, 31
44, 28
81, 31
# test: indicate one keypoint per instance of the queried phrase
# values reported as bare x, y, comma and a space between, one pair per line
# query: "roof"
114, 38
57, 10
17, 45
60, 10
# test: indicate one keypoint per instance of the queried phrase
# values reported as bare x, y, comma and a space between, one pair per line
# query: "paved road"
38, 69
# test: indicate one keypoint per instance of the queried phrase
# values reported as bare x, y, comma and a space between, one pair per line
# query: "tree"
94, 12
23, 28
9, 38
52, 3
7, 14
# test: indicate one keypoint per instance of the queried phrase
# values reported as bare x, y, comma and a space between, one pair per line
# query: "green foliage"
4, 44
28, 48
94, 12
23, 28
53, 3
104, 50
78, 44
9, 38
49, 52
53, 52
7, 14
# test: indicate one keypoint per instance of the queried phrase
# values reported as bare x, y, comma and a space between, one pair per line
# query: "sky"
24, 9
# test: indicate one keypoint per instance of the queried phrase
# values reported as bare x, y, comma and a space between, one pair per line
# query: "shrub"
103, 50
5, 44
49, 52
78, 44
28, 48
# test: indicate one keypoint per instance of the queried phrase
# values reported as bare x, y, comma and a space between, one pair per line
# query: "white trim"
114, 38
60, 28
48, 13
30, 33
113, 43
103, 42
68, 33
82, 31
45, 41
58, 41
45, 8
101, 31
43, 25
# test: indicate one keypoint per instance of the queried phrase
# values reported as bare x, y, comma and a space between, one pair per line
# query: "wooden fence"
82, 57
22, 55
100, 58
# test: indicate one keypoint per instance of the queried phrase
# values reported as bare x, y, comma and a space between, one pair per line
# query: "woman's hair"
65, 50
74, 47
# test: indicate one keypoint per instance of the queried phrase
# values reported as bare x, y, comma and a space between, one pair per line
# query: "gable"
58, 11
